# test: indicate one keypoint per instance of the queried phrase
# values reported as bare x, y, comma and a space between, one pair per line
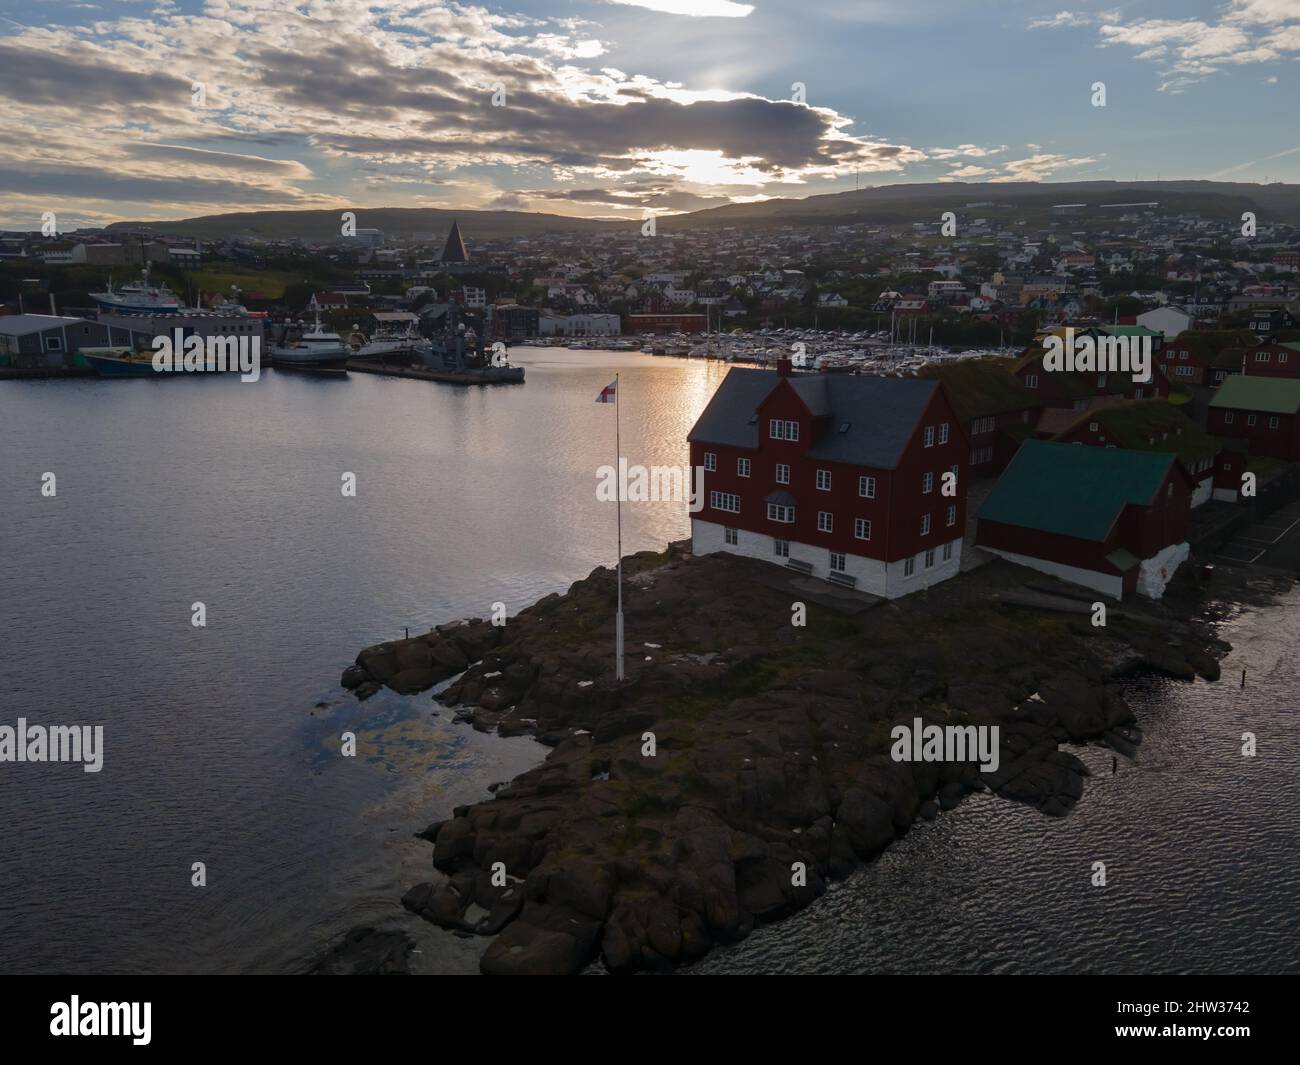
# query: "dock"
492, 375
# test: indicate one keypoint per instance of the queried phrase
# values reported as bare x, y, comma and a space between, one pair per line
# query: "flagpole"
618, 619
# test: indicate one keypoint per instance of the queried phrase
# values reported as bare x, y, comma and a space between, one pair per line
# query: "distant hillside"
402, 223
1030, 200
887, 204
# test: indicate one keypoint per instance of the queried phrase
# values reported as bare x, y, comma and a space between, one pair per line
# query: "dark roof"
870, 418
1073, 490
979, 387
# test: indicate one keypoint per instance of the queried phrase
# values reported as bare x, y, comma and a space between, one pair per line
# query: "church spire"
454, 250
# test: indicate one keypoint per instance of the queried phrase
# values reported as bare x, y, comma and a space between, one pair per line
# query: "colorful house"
845, 477
1109, 519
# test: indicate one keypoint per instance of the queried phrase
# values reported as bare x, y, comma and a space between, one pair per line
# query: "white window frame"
925, 524
710, 461
718, 501
862, 528
825, 521
743, 467
867, 486
826, 476
779, 512
782, 468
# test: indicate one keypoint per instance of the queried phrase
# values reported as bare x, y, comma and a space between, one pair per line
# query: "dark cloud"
101, 185
50, 80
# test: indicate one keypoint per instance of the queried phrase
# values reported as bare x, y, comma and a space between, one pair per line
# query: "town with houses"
895, 410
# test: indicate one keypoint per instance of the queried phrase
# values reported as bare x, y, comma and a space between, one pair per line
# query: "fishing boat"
121, 362
317, 351
137, 296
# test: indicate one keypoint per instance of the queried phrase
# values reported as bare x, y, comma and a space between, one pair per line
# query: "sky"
139, 109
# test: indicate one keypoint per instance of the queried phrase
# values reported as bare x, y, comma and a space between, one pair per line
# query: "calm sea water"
220, 742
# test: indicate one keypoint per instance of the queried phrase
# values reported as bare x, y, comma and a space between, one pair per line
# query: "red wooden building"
1107, 518
1263, 412
840, 476
994, 407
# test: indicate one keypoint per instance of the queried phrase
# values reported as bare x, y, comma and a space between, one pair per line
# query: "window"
710, 461
867, 487
731, 536
1229, 417
1281, 356
925, 524
725, 501
825, 521
1272, 422
862, 528
952, 515
779, 429
1182, 355
742, 467
782, 473
929, 559
823, 480
838, 562
777, 512
1261, 356
1251, 419
943, 432
909, 566
1092, 427
53, 344
929, 436
781, 548
1031, 380
947, 551
1101, 381
1137, 393
927, 483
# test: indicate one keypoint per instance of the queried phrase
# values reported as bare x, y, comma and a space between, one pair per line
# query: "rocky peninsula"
675, 805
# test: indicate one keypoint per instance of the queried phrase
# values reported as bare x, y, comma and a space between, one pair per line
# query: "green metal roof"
1072, 489
1272, 395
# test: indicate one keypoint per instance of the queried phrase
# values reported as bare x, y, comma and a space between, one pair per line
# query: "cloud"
1186, 51
696, 8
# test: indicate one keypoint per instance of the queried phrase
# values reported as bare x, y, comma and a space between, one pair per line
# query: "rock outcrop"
743, 762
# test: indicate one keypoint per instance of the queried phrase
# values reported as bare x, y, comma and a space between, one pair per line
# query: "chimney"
784, 367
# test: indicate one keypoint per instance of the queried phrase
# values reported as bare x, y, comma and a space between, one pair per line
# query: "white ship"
317, 351
137, 296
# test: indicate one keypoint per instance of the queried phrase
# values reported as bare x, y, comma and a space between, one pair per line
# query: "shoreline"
771, 742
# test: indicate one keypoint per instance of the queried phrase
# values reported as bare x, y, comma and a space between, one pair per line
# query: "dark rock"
353, 677
367, 951
411, 681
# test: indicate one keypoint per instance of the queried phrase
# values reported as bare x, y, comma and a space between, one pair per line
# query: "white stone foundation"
873, 576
